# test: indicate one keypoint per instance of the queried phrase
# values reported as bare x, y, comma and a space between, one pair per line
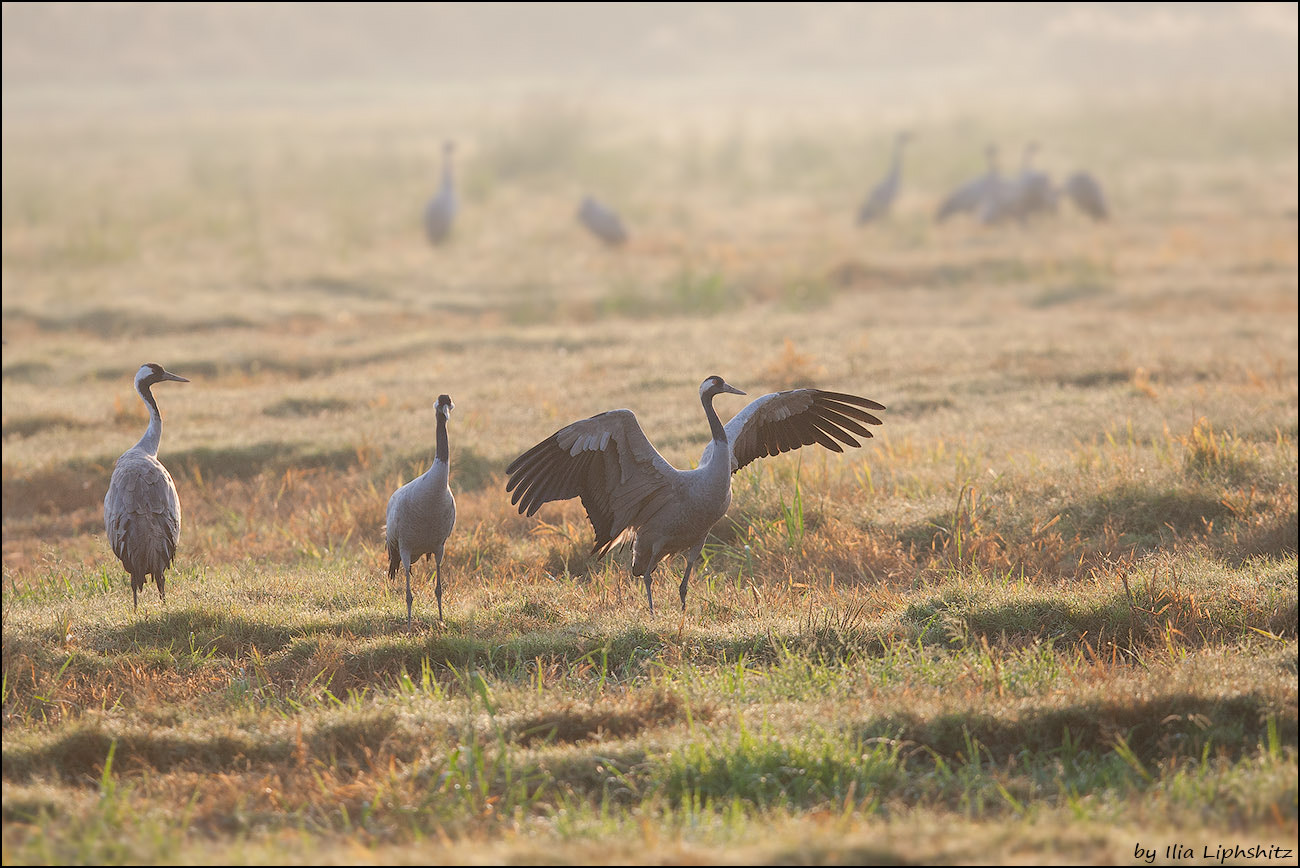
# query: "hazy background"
907, 57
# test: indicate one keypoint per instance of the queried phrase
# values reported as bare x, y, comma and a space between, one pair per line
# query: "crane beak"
727, 387
168, 375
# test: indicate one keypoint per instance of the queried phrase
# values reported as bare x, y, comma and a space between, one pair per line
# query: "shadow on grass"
117, 323
26, 426
81, 483
198, 633
1175, 724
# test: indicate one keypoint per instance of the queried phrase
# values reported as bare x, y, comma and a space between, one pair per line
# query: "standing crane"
142, 512
1029, 193
422, 513
1036, 194
441, 210
881, 199
631, 493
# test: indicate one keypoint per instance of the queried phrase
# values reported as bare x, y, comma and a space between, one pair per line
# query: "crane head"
444, 406
715, 385
152, 372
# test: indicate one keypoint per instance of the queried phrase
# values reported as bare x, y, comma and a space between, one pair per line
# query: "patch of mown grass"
27, 372
27, 426
117, 323
74, 485
768, 772
292, 407
687, 292
575, 722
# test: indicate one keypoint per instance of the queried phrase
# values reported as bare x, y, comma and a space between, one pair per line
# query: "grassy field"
1049, 613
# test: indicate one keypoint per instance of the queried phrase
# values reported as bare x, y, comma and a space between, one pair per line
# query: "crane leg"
649, 597
686, 576
437, 586
161, 582
410, 598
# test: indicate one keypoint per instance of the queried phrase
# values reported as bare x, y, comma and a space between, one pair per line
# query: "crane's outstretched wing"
607, 461
142, 514
782, 421
967, 197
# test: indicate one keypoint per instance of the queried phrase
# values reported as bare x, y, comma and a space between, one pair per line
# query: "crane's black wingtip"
855, 400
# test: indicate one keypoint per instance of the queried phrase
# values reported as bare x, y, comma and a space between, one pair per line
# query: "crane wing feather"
607, 462
783, 421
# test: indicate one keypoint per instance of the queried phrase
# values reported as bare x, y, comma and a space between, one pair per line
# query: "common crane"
602, 220
142, 512
631, 493
441, 211
881, 198
422, 513
971, 196
1028, 194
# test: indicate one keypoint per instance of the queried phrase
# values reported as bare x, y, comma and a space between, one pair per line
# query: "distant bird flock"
993, 199
990, 198
631, 494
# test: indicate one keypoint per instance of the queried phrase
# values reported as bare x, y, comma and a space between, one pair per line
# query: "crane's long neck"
443, 451
446, 172
715, 424
153, 434
898, 158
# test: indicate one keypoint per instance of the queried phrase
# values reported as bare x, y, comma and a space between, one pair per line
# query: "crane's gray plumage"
441, 211
1085, 191
602, 220
1028, 194
1034, 193
971, 196
631, 493
881, 198
142, 512
422, 513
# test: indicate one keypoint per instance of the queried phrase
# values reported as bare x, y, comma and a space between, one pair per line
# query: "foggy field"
1048, 613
